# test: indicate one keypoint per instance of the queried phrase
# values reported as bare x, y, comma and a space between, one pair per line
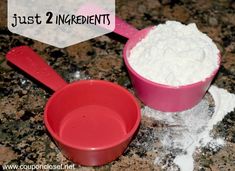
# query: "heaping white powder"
175, 54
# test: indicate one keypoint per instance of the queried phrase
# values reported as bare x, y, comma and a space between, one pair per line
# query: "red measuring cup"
158, 96
91, 121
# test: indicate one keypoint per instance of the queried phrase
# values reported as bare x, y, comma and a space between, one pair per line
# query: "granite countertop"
23, 137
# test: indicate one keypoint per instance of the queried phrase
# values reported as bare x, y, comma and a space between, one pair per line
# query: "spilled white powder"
175, 54
192, 128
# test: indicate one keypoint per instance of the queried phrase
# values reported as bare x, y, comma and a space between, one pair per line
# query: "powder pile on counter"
175, 54
192, 129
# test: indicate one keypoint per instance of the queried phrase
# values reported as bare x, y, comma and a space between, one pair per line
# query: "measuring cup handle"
124, 29
26, 59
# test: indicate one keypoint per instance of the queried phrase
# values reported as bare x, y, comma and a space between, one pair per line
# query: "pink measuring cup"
91, 121
158, 96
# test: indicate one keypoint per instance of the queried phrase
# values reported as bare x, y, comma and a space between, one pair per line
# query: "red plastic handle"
27, 60
124, 29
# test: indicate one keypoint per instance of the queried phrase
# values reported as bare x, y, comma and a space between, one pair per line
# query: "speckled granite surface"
23, 137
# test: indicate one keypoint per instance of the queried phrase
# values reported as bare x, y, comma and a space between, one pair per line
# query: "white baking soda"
175, 54
190, 130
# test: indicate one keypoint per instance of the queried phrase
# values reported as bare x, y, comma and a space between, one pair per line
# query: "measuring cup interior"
91, 114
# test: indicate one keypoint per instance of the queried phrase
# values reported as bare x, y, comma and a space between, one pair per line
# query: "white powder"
175, 54
193, 130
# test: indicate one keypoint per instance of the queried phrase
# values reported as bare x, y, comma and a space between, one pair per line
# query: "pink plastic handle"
124, 29
27, 60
